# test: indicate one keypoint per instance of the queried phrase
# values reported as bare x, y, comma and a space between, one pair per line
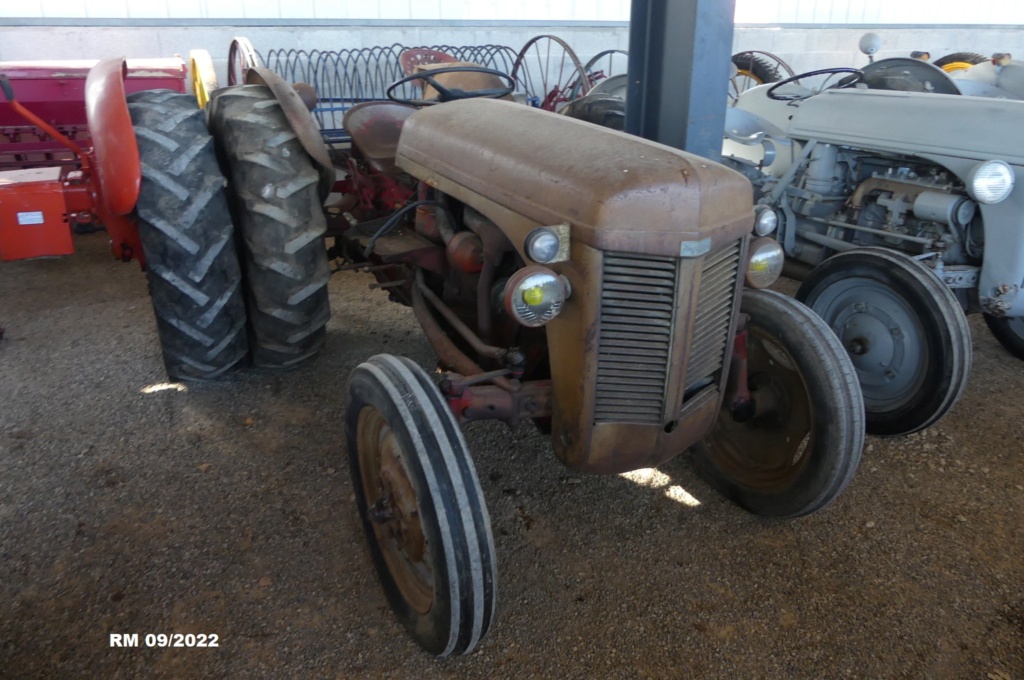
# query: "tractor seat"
375, 128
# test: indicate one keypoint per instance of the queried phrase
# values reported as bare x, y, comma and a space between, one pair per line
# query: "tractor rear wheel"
959, 61
187, 238
279, 213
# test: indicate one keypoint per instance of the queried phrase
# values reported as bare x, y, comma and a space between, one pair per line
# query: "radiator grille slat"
714, 313
638, 299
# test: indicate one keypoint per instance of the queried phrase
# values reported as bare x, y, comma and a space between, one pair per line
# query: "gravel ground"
227, 509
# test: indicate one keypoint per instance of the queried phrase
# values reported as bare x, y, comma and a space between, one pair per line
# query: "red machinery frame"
55, 91
106, 187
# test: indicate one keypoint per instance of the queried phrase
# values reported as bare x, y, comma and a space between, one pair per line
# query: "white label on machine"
30, 218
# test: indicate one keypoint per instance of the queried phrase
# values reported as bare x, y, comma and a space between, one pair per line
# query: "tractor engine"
870, 200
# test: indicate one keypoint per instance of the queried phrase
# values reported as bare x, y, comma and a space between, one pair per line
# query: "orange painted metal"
114, 146
32, 215
117, 170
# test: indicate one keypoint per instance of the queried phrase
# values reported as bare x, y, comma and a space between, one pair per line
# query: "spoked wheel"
550, 72
202, 76
602, 66
277, 208
904, 330
1009, 332
241, 57
422, 508
188, 238
801, 444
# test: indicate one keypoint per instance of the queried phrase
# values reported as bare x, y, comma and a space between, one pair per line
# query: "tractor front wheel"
422, 507
904, 330
801, 444
187, 238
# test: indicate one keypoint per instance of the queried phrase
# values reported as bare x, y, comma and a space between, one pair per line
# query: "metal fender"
1001, 284
303, 124
110, 125
118, 171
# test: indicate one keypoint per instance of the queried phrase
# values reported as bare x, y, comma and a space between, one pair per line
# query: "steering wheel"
856, 76
446, 94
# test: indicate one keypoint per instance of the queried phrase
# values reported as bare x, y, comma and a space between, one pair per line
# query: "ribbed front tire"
422, 508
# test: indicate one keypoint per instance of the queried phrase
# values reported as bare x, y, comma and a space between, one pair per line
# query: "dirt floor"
131, 506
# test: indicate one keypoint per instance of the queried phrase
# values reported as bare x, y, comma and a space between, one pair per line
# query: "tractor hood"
617, 191
912, 123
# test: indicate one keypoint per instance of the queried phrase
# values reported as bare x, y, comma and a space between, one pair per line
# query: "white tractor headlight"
990, 182
542, 245
766, 220
535, 295
764, 262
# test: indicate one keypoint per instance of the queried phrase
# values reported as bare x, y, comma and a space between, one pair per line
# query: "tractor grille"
638, 299
714, 314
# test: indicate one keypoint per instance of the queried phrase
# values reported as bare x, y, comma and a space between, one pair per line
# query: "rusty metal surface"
617, 432
375, 128
490, 402
618, 192
301, 120
484, 350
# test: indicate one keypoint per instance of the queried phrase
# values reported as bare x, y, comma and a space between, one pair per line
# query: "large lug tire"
959, 61
905, 331
187, 237
277, 207
803, 444
422, 508
758, 69
1009, 332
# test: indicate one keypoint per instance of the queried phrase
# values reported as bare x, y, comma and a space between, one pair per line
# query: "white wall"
804, 48
747, 11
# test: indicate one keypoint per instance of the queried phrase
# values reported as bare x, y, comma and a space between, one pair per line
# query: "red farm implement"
68, 154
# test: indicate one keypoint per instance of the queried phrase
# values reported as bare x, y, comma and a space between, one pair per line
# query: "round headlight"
990, 182
534, 295
765, 220
542, 245
764, 262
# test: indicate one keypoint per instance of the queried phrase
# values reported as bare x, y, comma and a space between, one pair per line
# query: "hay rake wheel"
241, 57
550, 72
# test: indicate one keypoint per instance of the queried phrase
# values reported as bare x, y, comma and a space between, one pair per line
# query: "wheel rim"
771, 449
393, 511
743, 81
202, 76
883, 336
550, 71
956, 66
241, 58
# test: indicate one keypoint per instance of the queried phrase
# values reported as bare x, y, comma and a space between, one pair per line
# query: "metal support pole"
679, 56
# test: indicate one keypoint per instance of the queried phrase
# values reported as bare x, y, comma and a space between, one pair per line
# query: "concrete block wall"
805, 48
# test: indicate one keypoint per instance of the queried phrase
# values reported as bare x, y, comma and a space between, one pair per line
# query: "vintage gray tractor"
603, 301
901, 210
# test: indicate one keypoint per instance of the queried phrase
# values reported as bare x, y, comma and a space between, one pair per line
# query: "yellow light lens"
533, 296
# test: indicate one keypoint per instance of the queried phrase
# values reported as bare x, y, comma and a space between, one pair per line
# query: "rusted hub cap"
767, 451
393, 510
